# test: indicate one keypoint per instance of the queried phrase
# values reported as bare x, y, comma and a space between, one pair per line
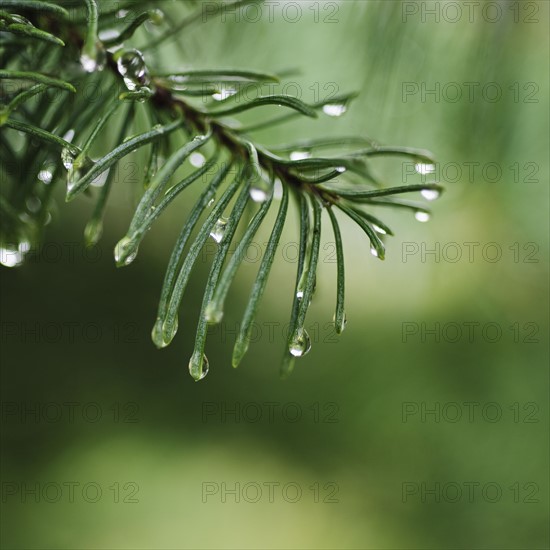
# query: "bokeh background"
365, 451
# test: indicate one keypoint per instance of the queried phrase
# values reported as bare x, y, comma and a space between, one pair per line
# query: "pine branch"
40, 58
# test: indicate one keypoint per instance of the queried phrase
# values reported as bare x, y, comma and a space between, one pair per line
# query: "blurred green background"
365, 452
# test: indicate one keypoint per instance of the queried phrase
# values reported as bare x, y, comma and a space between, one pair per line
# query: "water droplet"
300, 343
157, 334
422, 216
130, 258
33, 204
13, 255
374, 252
76, 167
100, 180
278, 189
423, 168
45, 176
93, 232
341, 169
301, 286
379, 229
178, 79
156, 16
126, 251
211, 202
120, 14
340, 328
258, 195
131, 66
260, 187
89, 64
218, 231
224, 93
198, 366
300, 155
10, 256
334, 109
213, 314
108, 34
67, 158
197, 159
93, 61
169, 330
430, 194
69, 136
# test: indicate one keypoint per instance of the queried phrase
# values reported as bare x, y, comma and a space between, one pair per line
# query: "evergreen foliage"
52, 51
